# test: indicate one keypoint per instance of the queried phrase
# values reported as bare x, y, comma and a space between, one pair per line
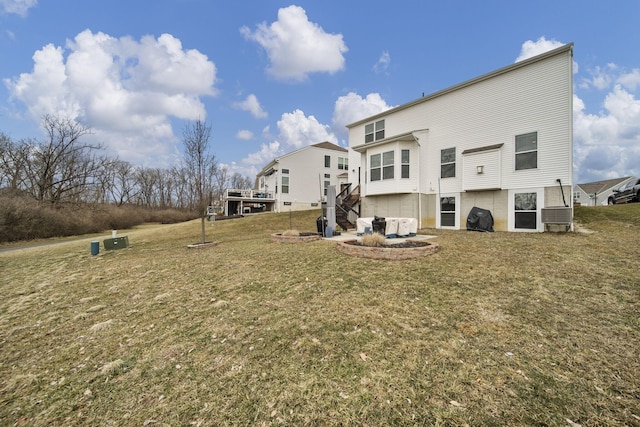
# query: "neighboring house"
294, 181
502, 141
597, 193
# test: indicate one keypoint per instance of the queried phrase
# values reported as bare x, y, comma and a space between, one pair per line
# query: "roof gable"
326, 145
598, 187
330, 146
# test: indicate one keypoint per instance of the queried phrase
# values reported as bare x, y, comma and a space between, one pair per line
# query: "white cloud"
352, 107
295, 130
266, 153
244, 134
630, 80
298, 130
18, 7
126, 90
383, 63
297, 47
607, 145
532, 48
252, 105
600, 78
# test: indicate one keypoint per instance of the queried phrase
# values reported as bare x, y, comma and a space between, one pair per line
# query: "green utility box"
116, 243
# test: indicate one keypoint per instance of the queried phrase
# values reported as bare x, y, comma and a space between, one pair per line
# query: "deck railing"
248, 194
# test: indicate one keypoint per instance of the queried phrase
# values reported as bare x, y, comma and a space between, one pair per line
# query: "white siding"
534, 97
306, 177
489, 175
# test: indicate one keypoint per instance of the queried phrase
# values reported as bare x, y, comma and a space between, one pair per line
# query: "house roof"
566, 48
330, 146
326, 145
407, 136
598, 187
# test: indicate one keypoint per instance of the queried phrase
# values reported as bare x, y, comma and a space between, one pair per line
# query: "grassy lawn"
495, 329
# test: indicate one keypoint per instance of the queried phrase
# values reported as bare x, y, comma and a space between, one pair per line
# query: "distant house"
502, 141
295, 181
596, 193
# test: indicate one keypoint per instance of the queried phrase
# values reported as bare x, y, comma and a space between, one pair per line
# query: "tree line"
63, 168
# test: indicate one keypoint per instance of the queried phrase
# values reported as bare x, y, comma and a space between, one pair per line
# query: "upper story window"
448, 163
374, 131
327, 161
527, 151
285, 184
387, 165
375, 169
343, 163
285, 171
381, 166
404, 164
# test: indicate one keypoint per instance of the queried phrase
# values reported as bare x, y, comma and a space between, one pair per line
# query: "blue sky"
272, 76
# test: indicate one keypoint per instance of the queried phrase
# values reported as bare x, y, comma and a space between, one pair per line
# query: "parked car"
630, 192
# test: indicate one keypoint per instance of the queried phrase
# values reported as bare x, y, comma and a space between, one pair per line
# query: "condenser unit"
559, 215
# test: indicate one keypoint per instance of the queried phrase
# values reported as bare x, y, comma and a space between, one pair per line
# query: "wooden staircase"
348, 207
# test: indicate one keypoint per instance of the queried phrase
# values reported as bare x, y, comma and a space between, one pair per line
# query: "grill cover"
480, 220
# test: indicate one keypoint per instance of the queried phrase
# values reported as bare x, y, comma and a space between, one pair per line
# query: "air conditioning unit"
562, 215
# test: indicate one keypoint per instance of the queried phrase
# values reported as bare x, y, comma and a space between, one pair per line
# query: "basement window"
447, 211
526, 206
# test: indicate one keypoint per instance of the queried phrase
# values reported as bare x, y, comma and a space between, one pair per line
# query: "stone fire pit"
298, 238
398, 251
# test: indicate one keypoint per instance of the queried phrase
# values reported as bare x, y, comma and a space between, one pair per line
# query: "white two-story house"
299, 180
502, 141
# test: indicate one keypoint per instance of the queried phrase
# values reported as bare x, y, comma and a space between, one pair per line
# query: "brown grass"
495, 329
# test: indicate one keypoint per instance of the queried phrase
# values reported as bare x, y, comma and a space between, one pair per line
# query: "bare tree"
147, 182
13, 157
199, 163
240, 182
62, 167
221, 175
181, 186
120, 182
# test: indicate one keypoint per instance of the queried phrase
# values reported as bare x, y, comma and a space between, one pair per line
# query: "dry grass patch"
495, 329
373, 240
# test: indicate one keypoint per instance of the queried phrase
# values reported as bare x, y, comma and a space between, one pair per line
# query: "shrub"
375, 239
23, 218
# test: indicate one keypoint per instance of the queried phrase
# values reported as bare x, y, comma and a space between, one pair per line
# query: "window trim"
374, 131
377, 168
343, 163
448, 164
404, 164
386, 170
526, 152
450, 214
533, 211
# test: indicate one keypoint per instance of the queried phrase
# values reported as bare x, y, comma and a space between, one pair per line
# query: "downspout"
418, 187
415, 137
